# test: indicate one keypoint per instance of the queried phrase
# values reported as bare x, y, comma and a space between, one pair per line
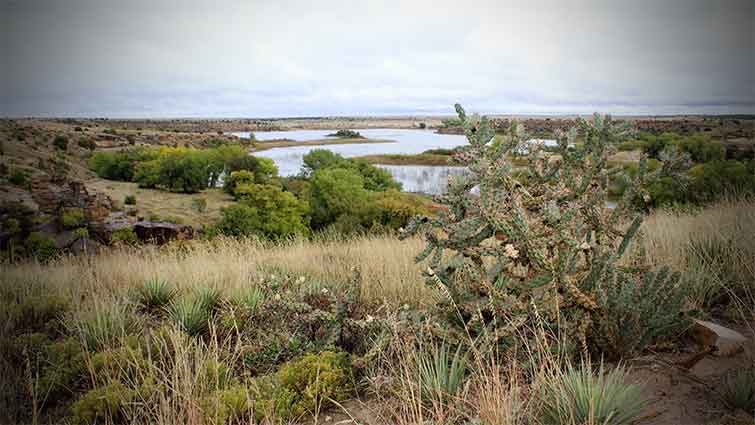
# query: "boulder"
725, 340
161, 232
65, 239
102, 229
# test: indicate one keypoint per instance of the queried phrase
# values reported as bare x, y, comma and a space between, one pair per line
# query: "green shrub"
104, 404
230, 405
60, 142
738, 390
59, 367
237, 178
701, 149
124, 235
120, 165
394, 209
337, 192
41, 247
87, 144
73, 218
147, 174
129, 200
315, 380
374, 178
638, 313
154, 294
183, 170
264, 210
441, 373
39, 313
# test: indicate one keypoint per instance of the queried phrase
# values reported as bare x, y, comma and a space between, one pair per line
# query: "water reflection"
427, 179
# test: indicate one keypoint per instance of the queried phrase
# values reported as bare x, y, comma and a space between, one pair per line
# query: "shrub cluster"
179, 169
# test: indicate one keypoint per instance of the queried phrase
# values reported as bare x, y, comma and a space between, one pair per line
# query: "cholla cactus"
535, 240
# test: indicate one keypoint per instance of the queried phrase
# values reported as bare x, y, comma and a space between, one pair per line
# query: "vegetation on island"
346, 134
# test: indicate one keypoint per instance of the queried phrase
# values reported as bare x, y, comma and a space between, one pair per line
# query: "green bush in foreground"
129, 200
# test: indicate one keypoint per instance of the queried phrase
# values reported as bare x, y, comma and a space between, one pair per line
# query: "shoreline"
287, 143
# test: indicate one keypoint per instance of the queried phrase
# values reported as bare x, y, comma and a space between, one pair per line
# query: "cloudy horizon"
348, 58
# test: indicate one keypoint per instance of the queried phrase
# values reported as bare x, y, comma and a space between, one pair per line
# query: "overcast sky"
250, 58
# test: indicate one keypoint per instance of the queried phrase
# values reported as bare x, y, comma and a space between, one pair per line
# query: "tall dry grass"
386, 264
714, 248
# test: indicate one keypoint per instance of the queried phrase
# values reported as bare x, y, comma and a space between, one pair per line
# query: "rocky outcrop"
51, 198
161, 232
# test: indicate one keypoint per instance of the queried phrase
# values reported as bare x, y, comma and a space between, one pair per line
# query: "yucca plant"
251, 299
104, 325
191, 315
441, 373
154, 294
208, 297
581, 397
738, 390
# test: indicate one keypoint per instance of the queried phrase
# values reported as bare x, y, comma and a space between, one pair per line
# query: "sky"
278, 58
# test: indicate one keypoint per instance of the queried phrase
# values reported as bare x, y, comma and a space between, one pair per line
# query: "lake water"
414, 178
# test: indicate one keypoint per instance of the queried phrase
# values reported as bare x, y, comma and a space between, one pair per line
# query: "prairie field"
713, 248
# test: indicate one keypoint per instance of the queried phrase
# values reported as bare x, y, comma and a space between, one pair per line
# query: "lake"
414, 178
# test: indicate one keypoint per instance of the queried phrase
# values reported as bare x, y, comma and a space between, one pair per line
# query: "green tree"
318, 159
264, 210
337, 192
183, 170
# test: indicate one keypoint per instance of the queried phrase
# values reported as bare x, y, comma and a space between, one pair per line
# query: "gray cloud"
283, 58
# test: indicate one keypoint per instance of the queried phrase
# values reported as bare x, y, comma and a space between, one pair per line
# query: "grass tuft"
579, 396
154, 294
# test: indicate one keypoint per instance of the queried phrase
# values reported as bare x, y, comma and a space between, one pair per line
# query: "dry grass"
714, 249
166, 204
386, 265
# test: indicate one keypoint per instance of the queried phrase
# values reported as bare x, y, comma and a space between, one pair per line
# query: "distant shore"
285, 143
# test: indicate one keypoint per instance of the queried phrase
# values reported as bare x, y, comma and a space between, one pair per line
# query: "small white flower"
301, 279
324, 290
584, 246
369, 319
646, 197
510, 251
